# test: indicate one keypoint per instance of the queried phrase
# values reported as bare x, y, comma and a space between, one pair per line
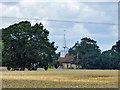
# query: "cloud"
73, 6
37, 20
114, 30
77, 31
11, 11
65, 10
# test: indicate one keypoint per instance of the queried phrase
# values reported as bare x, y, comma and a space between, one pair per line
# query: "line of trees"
90, 56
24, 46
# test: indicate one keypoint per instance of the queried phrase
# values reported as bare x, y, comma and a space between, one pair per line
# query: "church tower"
64, 49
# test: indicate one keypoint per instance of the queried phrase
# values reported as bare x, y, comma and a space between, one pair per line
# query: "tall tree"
110, 59
25, 44
88, 53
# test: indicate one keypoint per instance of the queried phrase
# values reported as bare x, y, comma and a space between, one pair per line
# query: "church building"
66, 60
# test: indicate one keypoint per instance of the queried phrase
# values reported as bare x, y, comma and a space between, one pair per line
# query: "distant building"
66, 60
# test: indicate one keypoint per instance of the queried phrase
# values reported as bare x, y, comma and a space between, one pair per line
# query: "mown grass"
60, 78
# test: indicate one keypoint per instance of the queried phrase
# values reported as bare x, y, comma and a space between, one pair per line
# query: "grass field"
60, 78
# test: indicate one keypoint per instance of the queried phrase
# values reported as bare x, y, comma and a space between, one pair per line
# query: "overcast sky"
98, 12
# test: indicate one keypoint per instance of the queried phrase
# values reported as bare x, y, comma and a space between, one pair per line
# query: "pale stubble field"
60, 78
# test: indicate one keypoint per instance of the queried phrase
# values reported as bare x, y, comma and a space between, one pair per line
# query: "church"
65, 59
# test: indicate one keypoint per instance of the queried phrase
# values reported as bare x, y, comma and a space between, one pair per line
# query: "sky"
91, 12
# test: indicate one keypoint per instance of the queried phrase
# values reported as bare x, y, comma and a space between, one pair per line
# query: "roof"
67, 59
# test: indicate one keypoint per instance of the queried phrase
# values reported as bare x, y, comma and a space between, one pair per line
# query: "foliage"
90, 56
110, 59
117, 46
88, 53
25, 44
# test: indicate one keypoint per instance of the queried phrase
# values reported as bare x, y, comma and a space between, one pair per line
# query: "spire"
64, 49
64, 44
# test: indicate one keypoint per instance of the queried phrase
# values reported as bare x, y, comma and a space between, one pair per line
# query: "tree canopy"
117, 46
25, 44
110, 59
88, 53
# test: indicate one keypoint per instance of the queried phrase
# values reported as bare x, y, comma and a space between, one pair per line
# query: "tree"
88, 53
110, 59
25, 44
117, 46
